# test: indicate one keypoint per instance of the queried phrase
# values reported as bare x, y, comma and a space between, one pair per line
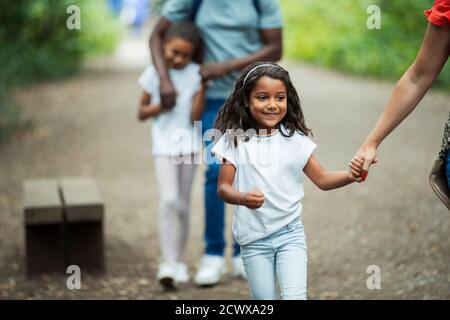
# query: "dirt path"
86, 126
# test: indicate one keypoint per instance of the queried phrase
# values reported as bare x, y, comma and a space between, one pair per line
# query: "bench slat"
82, 200
41, 202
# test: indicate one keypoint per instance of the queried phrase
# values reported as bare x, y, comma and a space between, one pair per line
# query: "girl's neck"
264, 132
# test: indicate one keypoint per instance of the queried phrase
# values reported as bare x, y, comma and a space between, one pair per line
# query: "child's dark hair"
235, 115
186, 30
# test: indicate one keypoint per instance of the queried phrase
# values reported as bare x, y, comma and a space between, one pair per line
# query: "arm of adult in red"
166, 89
410, 89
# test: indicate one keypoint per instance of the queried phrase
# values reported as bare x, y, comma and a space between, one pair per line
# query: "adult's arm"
409, 90
166, 89
271, 51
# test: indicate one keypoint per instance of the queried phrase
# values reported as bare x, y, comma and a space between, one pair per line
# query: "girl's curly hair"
234, 115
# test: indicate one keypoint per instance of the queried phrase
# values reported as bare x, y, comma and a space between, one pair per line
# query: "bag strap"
256, 4
196, 6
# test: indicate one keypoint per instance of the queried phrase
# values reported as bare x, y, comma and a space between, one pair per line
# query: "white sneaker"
238, 267
181, 275
211, 270
167, 274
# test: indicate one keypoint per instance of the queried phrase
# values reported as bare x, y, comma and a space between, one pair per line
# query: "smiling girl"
264, 151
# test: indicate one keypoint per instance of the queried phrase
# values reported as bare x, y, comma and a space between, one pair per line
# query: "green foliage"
99, 30
36, 44
335, 34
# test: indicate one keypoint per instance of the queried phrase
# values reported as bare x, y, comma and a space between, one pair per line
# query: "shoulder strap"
257, 7
196, 5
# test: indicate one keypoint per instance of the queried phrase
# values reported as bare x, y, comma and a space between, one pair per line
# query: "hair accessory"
261, 65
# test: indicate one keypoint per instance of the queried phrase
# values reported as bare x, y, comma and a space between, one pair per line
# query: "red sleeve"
439, 14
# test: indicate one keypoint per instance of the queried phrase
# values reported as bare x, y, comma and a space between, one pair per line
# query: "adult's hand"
367, 153
167, 94
214, 70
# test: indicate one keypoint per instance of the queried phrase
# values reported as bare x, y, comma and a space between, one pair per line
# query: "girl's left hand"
355, 170
254, 199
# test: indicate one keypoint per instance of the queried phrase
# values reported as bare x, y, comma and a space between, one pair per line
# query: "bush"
36, 44
335, 34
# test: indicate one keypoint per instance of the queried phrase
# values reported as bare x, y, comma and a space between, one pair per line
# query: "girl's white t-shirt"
173, 133
274, 164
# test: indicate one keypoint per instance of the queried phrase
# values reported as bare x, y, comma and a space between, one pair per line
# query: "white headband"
261, 65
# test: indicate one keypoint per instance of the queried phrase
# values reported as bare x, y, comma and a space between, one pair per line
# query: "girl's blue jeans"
282, 256
214, 206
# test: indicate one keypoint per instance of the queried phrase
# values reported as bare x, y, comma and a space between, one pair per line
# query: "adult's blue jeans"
214, 206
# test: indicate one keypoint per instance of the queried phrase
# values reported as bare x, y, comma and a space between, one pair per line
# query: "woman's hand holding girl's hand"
355, 172
368, 153
253, 199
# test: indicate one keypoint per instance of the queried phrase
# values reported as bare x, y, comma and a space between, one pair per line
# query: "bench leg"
85, 246
44, 249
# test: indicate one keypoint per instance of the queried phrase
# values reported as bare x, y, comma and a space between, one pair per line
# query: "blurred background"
37, 45
68, 103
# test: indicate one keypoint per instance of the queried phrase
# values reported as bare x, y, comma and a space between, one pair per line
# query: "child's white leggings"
174, 176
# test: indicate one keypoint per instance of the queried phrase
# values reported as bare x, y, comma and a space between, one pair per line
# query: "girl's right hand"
254, 199
355, 173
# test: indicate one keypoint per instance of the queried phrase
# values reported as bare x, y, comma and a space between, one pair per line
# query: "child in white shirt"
264, 151
175, 144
